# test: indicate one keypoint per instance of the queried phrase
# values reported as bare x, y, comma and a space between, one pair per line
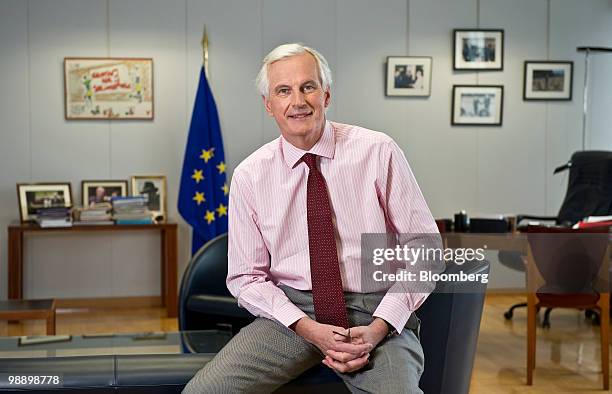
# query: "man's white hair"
288, 50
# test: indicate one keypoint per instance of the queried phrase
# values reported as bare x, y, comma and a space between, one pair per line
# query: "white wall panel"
64, 150
576, 24
135, 265
600, 99
310, 22
15, 116
68, 266
511, 158
366, 36
444, 158
155, 29
234, 29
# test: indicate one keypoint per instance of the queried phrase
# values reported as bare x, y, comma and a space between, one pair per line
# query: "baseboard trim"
108, 302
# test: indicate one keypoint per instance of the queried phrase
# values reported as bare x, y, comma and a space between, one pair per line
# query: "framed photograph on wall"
94, 192
480, 105
154, 188
33, 196
480, 49
548, 80
408, 76
108, 88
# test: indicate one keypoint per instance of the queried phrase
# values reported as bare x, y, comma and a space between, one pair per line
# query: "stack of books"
96, 214
594, 221
54, 217
131, 210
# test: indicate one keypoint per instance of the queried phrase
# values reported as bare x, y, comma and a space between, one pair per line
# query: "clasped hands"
344, 352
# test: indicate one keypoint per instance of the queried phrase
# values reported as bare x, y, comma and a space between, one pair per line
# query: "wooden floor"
97, 321
567, 354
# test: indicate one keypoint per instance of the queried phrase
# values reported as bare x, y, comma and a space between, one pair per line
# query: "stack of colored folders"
131, 210
95, 214
54, 217
595, 221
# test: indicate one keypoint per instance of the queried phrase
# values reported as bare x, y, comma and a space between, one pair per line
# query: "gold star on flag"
222, 210
209, 217
225, 189
207, 154
197, 175
221, 167
199, 197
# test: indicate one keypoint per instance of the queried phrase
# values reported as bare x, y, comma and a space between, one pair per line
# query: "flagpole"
205, 50
203, 196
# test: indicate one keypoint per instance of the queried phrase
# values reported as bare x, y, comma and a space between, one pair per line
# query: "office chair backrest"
568, 260
589, 189
450, 323
211, 263
206, 273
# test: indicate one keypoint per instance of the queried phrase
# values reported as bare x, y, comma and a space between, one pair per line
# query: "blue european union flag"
203, 193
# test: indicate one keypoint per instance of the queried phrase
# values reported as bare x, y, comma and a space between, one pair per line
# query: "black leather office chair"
589, 193
449, 329
204, 300
589, 189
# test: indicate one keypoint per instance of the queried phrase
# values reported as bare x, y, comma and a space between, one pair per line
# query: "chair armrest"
217, 305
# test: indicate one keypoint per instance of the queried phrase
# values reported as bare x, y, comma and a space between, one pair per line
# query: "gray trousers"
265, 355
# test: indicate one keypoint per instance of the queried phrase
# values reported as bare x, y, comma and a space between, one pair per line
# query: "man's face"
100, 192
296, 99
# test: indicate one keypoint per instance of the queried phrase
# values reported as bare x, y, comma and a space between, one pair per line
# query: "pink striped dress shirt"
371, 190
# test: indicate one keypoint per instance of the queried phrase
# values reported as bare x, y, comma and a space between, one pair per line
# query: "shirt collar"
325, 146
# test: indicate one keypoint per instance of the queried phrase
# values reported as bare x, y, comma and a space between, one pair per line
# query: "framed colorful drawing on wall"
108, 88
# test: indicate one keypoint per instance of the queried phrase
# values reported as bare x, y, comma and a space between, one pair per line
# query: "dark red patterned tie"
327, 292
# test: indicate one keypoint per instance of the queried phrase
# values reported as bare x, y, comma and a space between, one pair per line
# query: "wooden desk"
168, 255
494, 241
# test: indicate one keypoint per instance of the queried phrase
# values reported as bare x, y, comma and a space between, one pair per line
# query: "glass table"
206, 341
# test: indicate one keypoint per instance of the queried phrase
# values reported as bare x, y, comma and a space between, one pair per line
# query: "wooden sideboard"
168, 254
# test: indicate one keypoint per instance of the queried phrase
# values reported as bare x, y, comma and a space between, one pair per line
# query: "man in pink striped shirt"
371, 189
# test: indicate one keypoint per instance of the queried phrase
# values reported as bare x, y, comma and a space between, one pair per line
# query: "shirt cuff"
394, 312
288, 314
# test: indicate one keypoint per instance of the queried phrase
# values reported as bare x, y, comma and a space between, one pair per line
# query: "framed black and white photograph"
548, 80
480, 105
34, 196
95, 192
408, 76
480, 49
153, 187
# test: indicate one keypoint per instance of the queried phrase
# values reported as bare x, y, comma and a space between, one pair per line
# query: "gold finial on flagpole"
205, 50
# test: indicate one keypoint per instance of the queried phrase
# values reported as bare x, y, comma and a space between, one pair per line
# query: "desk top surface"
32, 227
25, 305
204, 341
